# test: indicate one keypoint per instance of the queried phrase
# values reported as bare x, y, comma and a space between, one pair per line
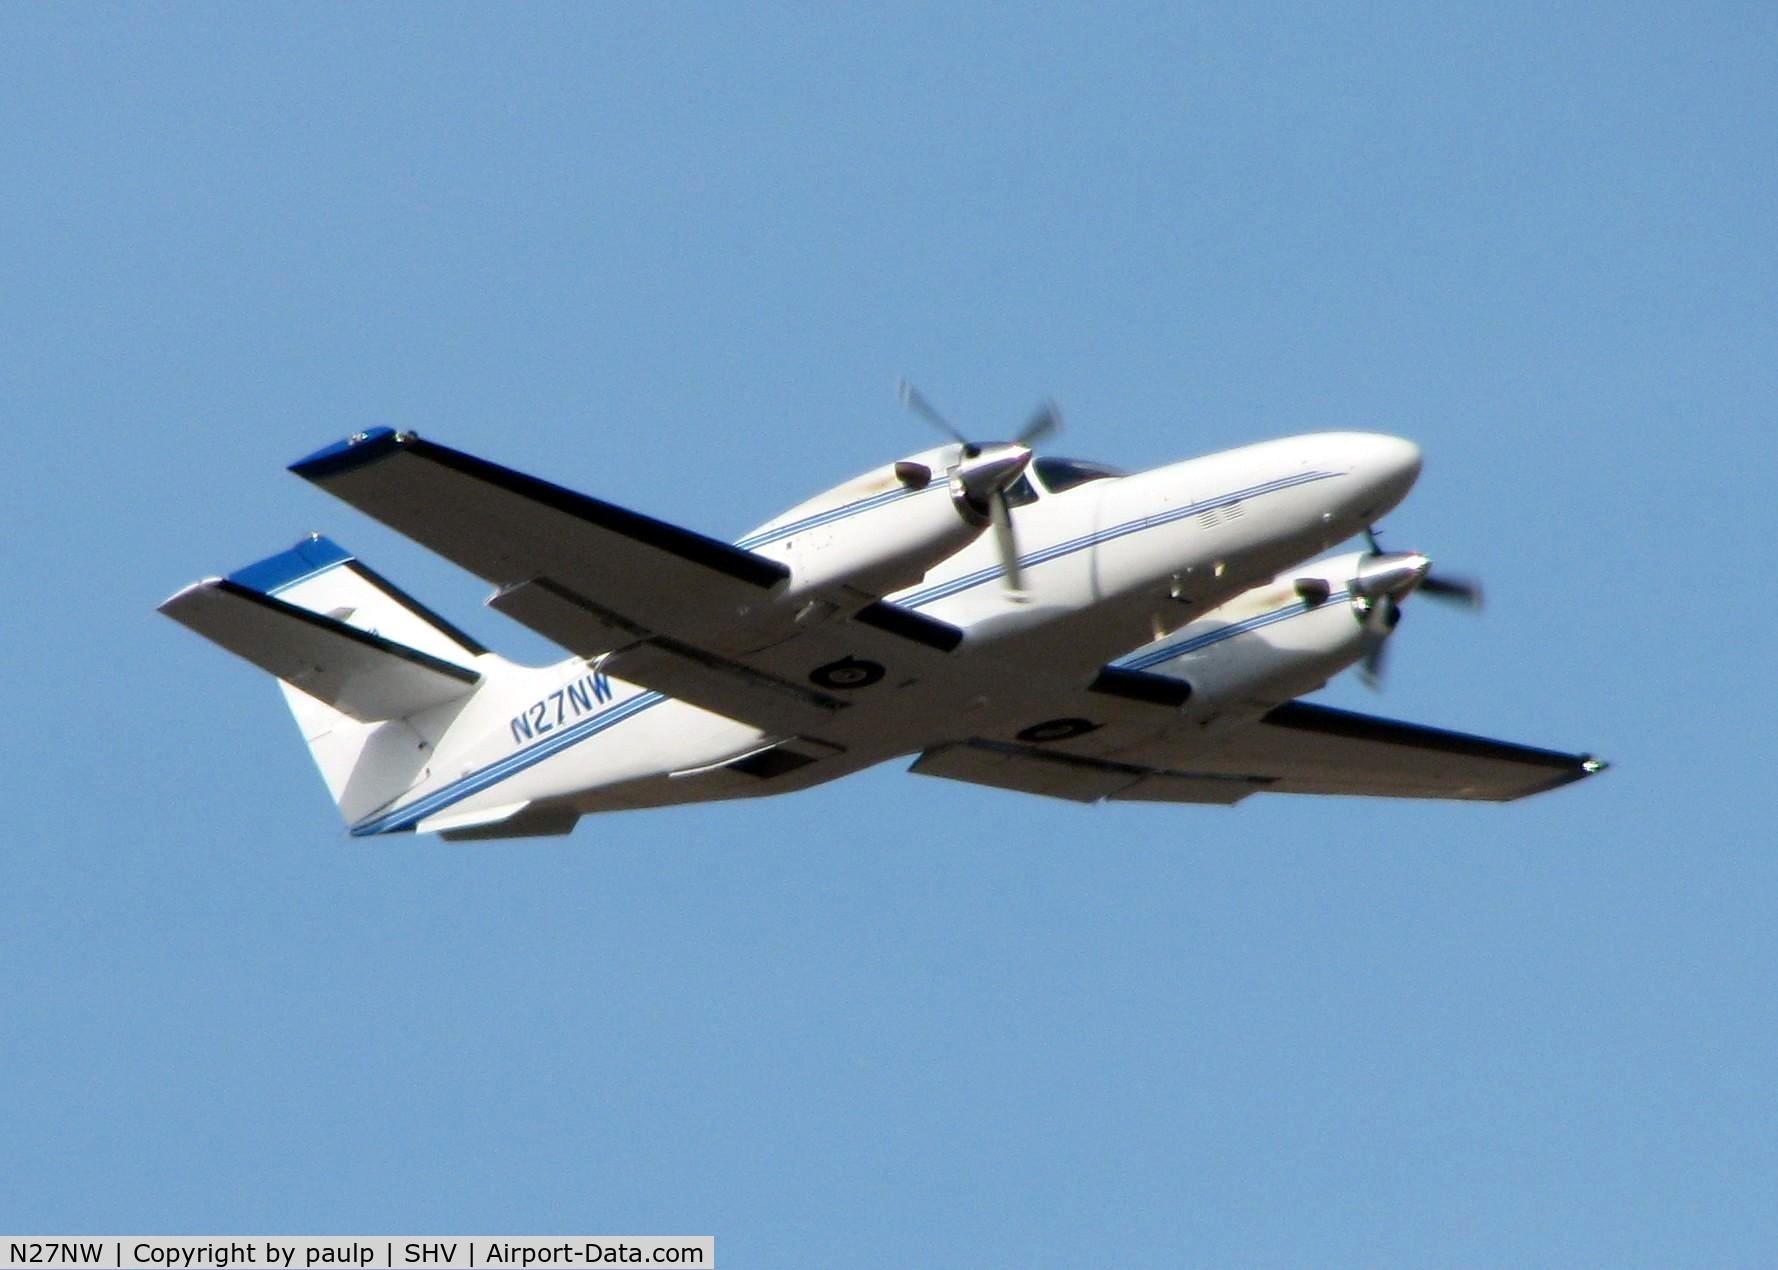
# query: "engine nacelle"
874, 535
1267, 645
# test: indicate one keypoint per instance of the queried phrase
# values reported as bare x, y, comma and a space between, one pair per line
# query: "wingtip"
180, 599
354, 451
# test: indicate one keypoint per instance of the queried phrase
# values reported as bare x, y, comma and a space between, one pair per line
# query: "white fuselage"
1110, 566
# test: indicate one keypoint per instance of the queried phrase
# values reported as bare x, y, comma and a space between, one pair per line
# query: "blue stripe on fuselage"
843, 512
1144, 658
406, 816
968, 581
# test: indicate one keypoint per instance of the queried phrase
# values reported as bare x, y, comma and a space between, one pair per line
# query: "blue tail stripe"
312, 555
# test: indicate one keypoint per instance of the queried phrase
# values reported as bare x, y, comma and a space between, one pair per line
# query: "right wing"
1314, 749
1295, 749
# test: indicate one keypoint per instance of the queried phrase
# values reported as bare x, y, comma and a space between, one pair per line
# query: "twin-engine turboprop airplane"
1036, 624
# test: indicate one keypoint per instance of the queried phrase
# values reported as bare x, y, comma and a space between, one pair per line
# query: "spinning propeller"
984, 471
1385, 579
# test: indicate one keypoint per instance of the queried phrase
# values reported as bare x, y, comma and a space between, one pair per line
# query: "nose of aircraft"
1385, 469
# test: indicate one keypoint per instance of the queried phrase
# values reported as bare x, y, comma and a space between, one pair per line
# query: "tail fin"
359, 661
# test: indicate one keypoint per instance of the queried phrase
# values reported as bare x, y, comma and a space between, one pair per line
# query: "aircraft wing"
670, 609
1297, 748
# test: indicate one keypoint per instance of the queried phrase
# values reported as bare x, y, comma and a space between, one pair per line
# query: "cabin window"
1064, 474
1021, 492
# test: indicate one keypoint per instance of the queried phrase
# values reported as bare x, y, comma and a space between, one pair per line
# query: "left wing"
1295, 749
509, 528
670, 609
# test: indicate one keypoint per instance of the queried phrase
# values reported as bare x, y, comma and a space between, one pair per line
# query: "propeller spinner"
984, 471
1384, 580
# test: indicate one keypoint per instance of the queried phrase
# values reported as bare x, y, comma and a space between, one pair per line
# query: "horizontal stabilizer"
513, 820
358, 673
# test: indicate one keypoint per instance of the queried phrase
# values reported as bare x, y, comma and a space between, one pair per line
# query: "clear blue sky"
677, 256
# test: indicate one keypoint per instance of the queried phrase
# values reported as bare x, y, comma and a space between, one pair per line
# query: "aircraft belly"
716, 785
637, 736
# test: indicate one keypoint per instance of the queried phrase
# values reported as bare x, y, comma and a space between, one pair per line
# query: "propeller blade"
1463, 591
1371, 670
1000, 516
1370, 540
1382, 618
981, 474
1045, 423
914, 401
